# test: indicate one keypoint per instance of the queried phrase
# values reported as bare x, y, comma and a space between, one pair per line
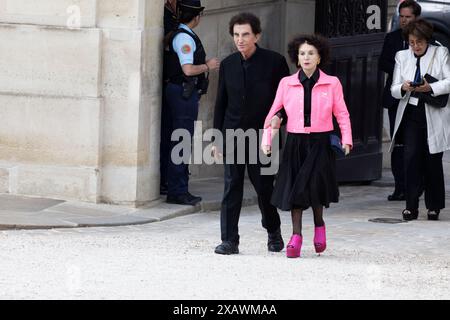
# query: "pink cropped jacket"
327, 99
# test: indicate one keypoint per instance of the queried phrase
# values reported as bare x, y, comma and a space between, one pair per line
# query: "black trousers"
397, 154
422, 169
183, 114
232, 199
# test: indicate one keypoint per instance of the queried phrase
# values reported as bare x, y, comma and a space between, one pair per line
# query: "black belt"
176, 80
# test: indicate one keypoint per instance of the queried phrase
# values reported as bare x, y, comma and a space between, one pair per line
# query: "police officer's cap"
194, 6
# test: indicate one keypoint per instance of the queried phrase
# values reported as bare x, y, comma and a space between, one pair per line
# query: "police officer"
186, 71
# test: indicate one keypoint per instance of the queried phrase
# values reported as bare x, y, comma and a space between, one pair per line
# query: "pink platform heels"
320, 240
294, 246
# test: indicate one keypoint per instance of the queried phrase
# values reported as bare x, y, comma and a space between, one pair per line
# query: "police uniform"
185, 48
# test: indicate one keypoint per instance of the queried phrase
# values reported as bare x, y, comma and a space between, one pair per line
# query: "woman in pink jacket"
307, 175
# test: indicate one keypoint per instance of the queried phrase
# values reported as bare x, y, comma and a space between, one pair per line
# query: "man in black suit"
170, 16
248, 81
409, 10
170, 25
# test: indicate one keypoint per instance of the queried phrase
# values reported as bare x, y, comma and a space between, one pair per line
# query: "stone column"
131, 74
80, 99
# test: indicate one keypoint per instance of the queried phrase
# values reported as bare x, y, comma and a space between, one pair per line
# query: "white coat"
438, 119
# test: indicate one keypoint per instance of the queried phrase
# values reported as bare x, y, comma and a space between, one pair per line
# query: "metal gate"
355, 53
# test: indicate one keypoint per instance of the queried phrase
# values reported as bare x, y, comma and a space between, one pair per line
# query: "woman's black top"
308, 85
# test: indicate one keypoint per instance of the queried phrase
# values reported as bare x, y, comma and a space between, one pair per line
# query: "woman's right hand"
266, 149
407, 86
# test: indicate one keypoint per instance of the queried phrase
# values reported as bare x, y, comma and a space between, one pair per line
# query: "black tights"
297, 219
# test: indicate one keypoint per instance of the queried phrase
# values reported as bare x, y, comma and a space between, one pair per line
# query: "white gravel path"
175, 260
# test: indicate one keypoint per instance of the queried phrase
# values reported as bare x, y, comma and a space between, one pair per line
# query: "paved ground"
18, 212
174, 259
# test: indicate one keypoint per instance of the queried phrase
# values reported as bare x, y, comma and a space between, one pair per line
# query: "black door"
355, 51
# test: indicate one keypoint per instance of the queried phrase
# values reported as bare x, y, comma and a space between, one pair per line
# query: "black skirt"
307, 174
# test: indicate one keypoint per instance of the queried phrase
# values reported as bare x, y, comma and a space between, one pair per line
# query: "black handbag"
434, 101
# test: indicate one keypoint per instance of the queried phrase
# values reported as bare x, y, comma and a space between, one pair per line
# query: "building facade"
80, 91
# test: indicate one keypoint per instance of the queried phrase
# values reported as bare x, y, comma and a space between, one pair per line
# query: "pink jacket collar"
323, 79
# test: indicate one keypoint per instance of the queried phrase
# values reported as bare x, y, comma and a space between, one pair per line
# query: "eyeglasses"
418, 43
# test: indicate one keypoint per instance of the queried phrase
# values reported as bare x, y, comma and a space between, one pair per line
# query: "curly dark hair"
320, 43
246, 18
420, 28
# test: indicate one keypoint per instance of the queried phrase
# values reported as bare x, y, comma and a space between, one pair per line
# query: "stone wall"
80, 91
79, 85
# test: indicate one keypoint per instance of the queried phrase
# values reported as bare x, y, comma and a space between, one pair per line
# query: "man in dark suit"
248, 81
170, 26
170, 16
409, 10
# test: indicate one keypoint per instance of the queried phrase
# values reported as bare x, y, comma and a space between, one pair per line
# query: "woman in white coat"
423, 128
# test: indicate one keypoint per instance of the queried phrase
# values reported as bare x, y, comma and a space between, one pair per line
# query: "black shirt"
247, 89
246, 63
308, 85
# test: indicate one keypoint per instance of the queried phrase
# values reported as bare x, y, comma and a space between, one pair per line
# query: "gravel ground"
175, 260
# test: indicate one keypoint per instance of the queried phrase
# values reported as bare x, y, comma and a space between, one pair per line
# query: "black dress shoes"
397, 196
275, 242
184, 199
433, 214
409, 215
227, 247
